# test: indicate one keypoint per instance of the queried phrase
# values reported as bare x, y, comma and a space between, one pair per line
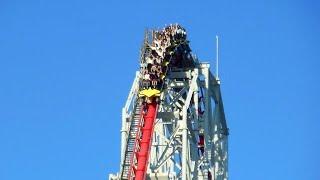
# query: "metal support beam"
175, 153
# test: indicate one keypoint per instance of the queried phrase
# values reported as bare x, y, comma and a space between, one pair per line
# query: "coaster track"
166, 49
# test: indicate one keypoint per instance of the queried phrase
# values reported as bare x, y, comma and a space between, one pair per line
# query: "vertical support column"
196, 96
206, 118
210, 127
123, 134
161, 148
216, 138
226, 150
206, 101
184, 128
196, 118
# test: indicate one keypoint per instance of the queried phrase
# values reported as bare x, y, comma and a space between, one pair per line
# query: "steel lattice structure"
188, 136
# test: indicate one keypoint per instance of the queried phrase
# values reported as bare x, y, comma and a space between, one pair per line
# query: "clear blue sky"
66, 68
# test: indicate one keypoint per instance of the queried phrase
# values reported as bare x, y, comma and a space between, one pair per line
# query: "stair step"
134, 131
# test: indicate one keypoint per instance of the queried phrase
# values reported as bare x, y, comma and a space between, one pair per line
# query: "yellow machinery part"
149, 93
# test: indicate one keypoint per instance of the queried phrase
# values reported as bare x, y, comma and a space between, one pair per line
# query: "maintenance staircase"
131, 143
139, 142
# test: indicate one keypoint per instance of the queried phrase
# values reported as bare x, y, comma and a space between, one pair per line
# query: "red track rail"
143, 142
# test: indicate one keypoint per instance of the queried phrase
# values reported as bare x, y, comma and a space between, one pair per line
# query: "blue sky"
66, 68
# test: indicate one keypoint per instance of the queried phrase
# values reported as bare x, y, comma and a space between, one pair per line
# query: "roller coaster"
173, 123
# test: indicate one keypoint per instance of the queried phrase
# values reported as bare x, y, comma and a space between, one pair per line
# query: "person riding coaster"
166, 51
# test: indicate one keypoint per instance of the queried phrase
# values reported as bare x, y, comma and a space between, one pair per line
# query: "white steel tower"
189, 135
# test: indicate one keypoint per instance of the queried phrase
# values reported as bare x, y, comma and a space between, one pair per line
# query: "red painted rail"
146, 140
142, 145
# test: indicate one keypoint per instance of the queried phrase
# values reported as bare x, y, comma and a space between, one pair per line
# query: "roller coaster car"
149, 93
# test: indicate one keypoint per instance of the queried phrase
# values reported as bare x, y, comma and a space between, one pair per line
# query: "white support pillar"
123, 134
207, 111
184, 144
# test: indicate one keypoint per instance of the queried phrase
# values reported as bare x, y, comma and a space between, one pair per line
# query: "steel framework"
189, 134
